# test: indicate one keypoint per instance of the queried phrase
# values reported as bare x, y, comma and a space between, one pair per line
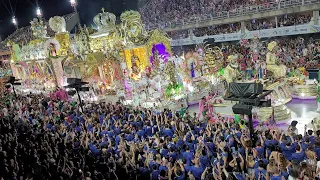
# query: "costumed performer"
278, 71
183, 110
202, 103
231, 71
210, 102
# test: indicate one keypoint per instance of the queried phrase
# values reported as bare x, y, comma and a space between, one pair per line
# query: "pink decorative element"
201, 107
195, 54
57, 68
255, 57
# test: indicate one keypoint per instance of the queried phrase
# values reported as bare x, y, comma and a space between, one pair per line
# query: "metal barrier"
241, 11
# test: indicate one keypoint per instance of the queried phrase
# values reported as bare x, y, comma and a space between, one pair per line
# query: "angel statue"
57, 24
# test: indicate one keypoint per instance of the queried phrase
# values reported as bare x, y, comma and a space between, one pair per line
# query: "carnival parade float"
123, 57
31, 61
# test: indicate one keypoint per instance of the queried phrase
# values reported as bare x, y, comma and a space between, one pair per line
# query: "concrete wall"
291, 10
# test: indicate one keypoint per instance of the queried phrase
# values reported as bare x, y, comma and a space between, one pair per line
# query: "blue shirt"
298, 157
188, 156
187, 168
204, 161
260, 151
197, 172
287, 151
94, 149
239, 176
276, 177
163, 168
271, 142
257, 171
155, 174
168, 132
173, 155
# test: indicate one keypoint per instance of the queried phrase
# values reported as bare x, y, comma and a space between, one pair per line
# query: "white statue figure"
105, 21
57, 24
39, 30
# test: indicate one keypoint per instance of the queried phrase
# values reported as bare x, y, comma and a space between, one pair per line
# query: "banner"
264, 33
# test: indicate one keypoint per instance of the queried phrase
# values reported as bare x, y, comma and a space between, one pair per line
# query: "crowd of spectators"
285, 20
162, 13
178, 34
257, 24
42, 138
218, 29
295, 19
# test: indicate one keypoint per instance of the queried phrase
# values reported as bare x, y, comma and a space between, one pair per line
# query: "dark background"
25, 10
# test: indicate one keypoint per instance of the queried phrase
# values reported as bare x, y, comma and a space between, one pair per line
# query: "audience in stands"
257, 24
219, 29
169, 13
178, 34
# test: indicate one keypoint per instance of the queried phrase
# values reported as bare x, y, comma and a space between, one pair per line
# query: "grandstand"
190, 22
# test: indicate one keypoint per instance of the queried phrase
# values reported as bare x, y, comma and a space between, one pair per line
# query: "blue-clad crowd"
47, 139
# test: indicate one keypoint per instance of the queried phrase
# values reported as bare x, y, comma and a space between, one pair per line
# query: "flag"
236, 118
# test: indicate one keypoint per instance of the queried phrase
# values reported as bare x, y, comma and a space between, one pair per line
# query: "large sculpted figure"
231, 72
278, 71
132, 28
105, 21
57, 24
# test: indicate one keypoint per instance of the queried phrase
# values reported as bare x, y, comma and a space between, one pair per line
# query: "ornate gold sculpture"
64, 40
132, 28
213, 60
39, 30
231, 72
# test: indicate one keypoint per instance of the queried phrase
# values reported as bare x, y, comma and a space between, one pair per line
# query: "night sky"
25, 11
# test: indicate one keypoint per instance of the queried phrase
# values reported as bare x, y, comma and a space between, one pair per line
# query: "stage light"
14, 20
73, 3
38, 11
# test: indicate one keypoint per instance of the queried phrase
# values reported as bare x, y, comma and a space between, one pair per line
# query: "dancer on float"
202, 104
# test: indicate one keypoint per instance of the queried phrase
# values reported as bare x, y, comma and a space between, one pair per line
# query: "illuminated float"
31, 61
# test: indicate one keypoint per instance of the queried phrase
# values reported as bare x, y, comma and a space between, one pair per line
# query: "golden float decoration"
64, 40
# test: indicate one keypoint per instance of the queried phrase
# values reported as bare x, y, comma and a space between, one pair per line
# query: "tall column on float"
59, 47
243, 27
